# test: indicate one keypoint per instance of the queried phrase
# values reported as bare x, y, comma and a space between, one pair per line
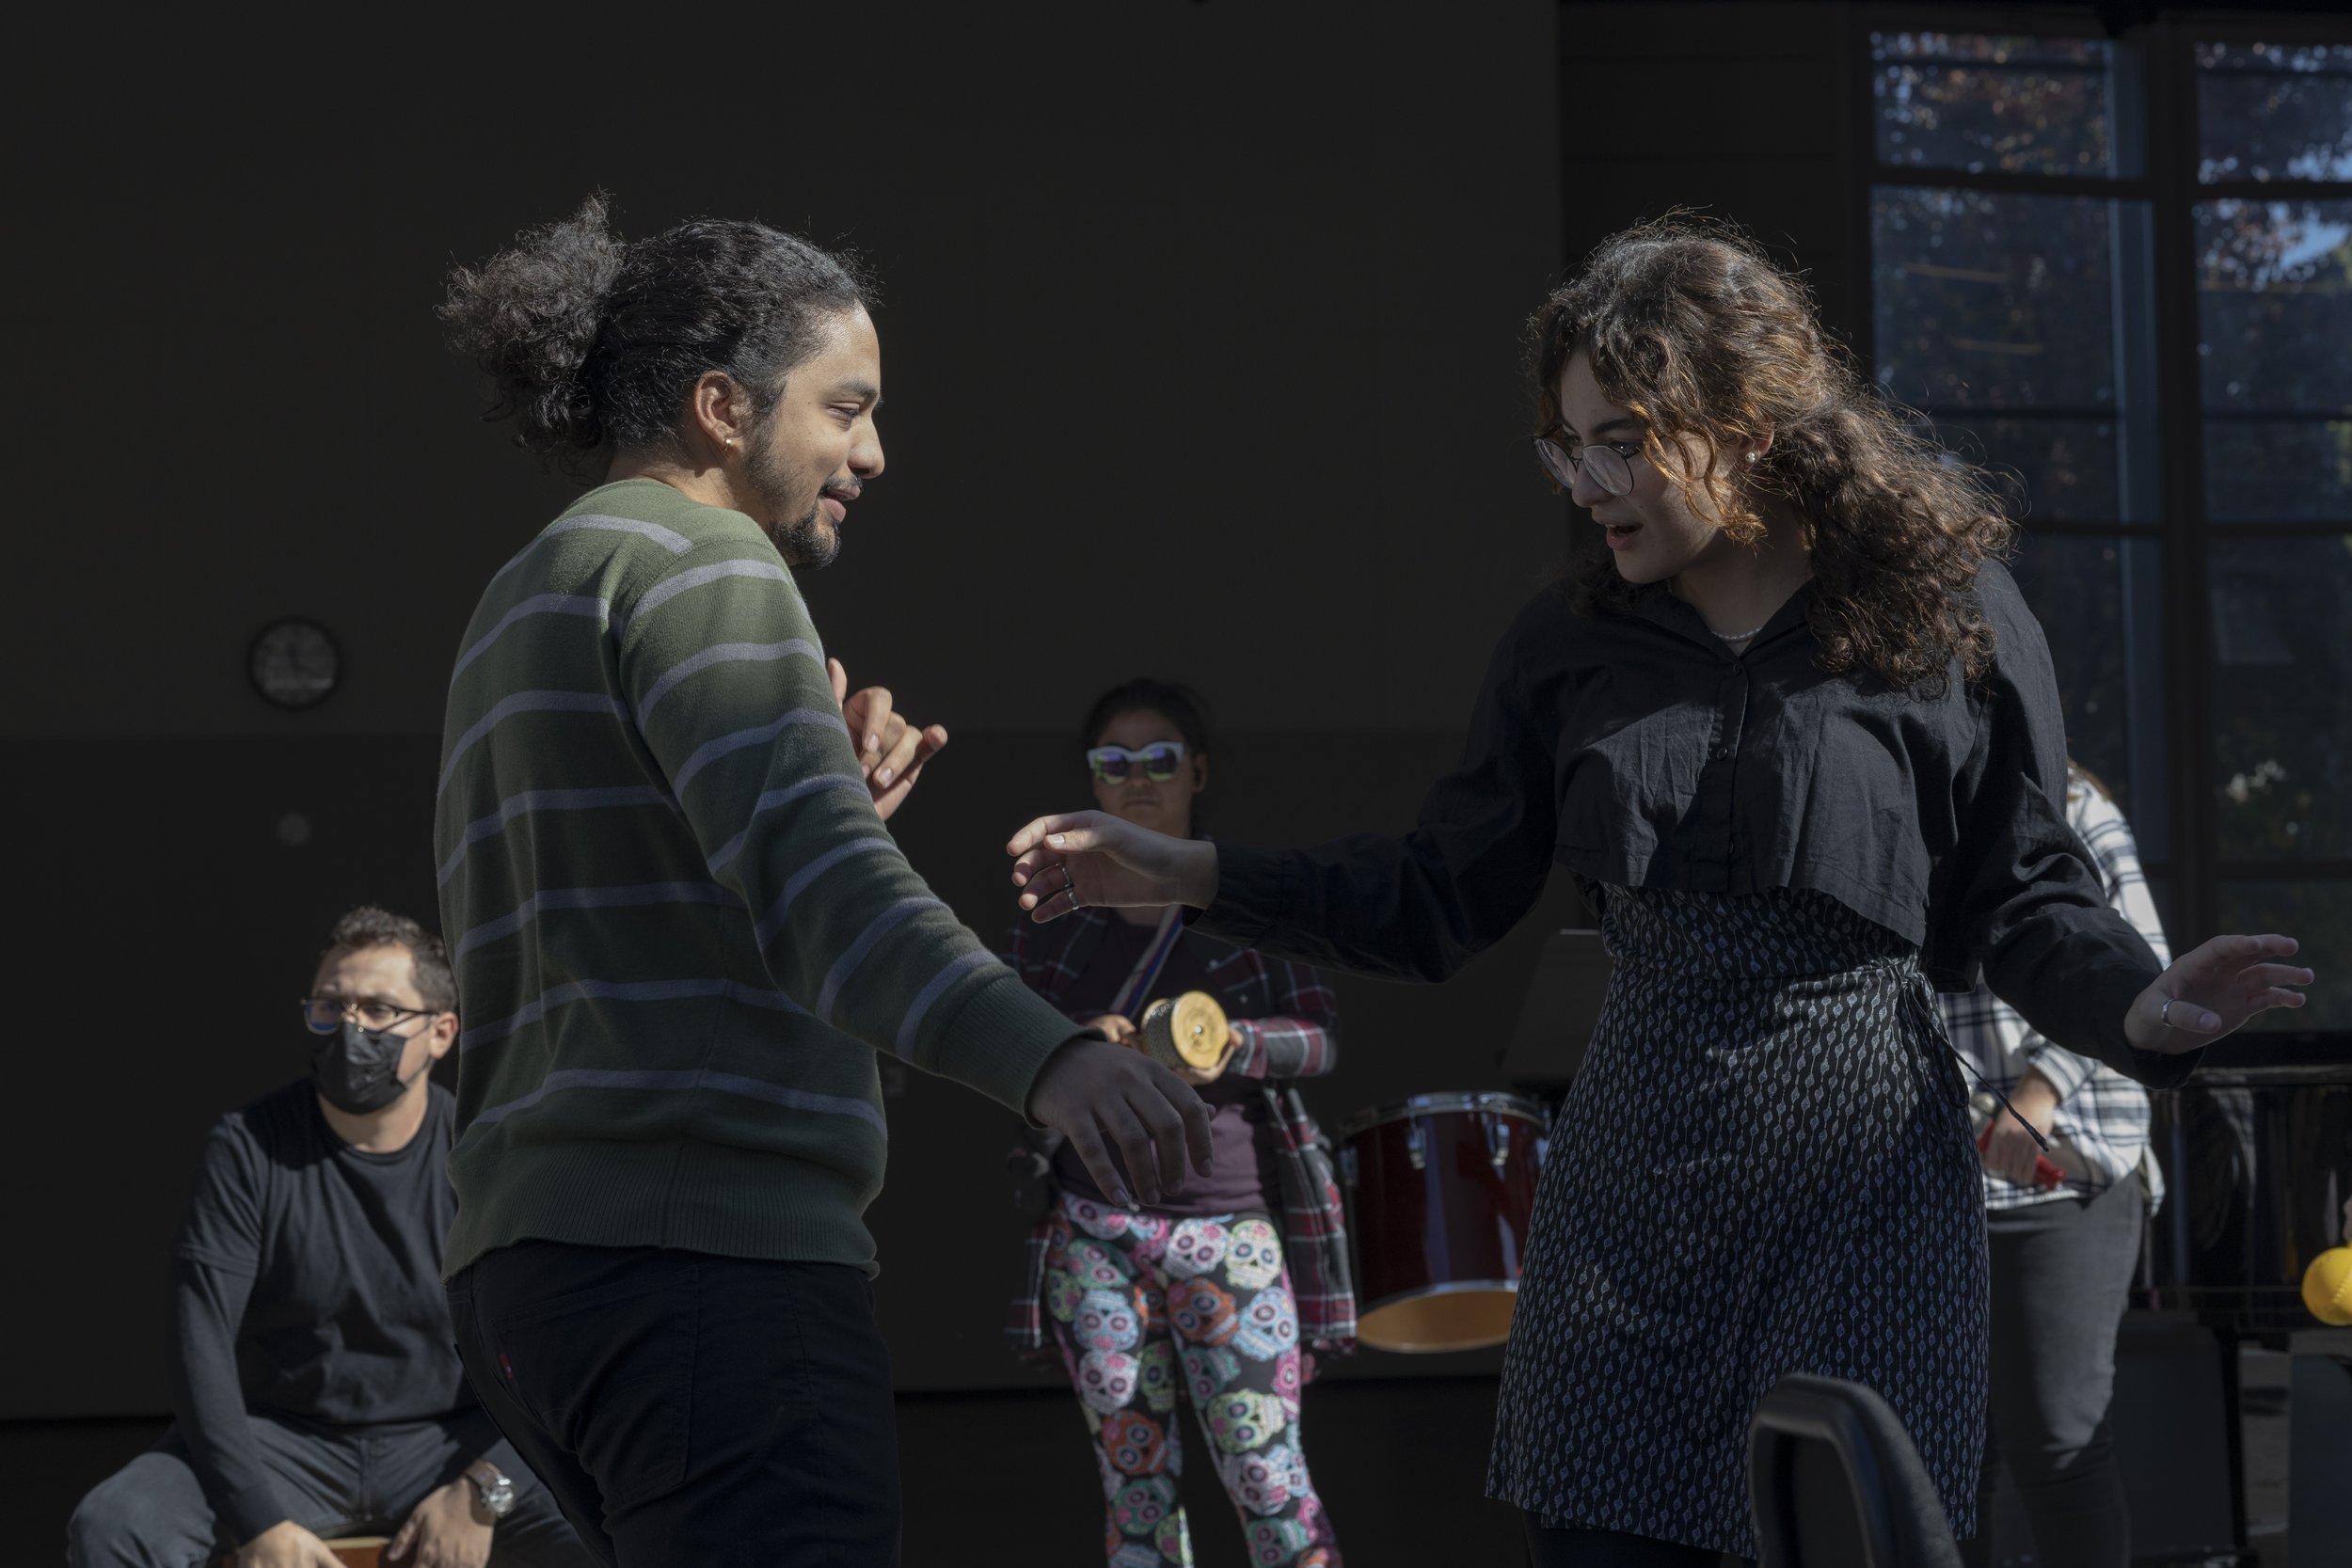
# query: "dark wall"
1200, 334
1739, 111
1200, 339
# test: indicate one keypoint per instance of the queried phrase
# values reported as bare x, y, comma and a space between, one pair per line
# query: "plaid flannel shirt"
1295, 1035
2101, 1116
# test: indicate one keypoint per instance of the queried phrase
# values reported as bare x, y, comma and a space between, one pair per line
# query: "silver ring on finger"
2164, 1014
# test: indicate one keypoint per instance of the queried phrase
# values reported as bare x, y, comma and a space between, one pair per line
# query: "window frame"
2160, 59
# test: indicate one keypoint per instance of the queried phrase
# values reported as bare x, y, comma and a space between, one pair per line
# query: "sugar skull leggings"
1147, 1307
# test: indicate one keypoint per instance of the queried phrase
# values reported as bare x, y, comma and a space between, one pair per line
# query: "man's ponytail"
592, 343
529, 317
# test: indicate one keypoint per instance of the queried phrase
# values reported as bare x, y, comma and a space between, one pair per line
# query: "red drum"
1441, 1189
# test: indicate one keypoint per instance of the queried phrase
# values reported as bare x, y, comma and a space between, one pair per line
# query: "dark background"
1201, 329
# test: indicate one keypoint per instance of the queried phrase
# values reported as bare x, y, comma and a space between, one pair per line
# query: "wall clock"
294, 663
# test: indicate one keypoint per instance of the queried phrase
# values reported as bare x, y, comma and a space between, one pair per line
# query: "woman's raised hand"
1090, 858
2213, 991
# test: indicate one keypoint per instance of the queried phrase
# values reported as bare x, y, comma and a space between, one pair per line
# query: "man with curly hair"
681, 929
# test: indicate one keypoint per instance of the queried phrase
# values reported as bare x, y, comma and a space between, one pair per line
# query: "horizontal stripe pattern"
757, 734
722, 653
856, 954
668, 539
772, 922
703, 577
538, 604
658, 860
724, 855
691, 1079
494, 823
589, 898
935, 987
623, 991
524, 702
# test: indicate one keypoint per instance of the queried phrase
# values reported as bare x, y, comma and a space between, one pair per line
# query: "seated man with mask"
312, 1364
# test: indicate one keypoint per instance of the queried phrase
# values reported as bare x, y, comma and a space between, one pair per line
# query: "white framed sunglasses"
1116, 764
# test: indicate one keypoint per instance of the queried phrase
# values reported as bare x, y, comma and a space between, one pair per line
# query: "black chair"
1833, 1483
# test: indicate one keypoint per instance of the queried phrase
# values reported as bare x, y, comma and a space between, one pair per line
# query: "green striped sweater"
679, 930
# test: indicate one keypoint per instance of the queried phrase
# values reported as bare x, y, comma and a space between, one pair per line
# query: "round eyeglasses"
1611, 462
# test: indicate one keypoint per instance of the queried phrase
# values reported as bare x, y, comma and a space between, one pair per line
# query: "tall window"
2121, 274
2272, 227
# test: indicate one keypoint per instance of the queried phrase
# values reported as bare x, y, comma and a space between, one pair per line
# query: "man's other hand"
449, 1529
285, 1545
1102, 1096
891, 751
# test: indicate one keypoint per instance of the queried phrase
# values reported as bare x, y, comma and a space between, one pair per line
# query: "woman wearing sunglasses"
1217, 1291
1790, 727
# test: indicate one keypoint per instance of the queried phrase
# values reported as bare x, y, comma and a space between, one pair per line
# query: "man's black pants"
335, 1481
689, 1409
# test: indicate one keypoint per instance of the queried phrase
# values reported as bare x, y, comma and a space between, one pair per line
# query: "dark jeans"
691, 1409
1609, 1548
2060, 1274
346, 1481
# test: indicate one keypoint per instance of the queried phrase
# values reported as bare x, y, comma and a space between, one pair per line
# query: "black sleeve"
2027, 899
212, 1276
506, 1462
1417, 907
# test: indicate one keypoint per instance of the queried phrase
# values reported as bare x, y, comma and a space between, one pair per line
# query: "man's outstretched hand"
890, 750
1106, 1097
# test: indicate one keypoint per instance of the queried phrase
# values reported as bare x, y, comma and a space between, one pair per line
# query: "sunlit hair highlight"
1693, 329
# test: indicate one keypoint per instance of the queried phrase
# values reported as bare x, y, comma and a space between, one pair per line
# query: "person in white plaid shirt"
2063, 1252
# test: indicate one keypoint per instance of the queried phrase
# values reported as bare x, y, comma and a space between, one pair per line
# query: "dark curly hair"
371, 927
592, 343
1695, 331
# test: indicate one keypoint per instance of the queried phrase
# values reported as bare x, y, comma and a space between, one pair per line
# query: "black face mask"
357, 1071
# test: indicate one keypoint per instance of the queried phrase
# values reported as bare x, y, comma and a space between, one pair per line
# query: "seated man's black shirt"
306, 1288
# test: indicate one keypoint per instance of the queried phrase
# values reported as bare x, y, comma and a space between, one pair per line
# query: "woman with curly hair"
1790, 727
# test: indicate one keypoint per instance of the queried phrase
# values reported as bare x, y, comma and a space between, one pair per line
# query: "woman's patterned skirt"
1764, 1167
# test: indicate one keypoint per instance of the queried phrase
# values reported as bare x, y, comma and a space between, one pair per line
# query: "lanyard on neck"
1147, 967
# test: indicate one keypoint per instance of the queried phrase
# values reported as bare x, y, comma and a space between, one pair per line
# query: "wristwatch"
491, 1485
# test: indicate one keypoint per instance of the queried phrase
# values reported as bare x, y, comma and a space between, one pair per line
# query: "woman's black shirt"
1631, 747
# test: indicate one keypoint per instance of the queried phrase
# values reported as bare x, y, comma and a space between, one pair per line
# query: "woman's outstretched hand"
2214, 990
1092, 859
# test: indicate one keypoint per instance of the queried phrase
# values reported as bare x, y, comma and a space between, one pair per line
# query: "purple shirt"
1243, 1175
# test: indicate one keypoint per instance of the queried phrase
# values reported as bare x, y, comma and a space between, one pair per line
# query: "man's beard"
807, 542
